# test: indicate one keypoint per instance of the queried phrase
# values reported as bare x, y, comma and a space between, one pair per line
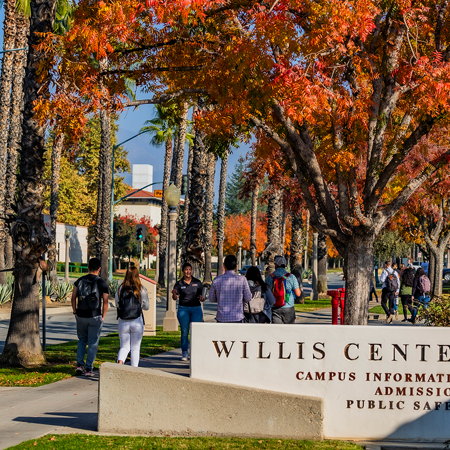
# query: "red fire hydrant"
342, 292
334, 306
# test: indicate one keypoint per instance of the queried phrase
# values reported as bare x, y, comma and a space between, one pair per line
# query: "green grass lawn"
62, 358
313, 305
379, 309
77, 441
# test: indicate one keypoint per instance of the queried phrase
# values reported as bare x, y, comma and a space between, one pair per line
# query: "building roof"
141, 194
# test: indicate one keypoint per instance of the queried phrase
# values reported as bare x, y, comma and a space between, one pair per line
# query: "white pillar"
170, 322
314, 292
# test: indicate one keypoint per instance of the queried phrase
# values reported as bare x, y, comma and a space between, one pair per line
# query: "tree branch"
152, 69
164, 98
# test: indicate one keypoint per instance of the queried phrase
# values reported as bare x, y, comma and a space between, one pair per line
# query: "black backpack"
391, 282
129, 305
89, 297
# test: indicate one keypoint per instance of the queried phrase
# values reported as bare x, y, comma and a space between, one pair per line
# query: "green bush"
438, 312
113, 286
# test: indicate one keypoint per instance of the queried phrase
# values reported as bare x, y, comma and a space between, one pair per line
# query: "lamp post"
66, 266
315, 292
240, 255
157, 238
172, 195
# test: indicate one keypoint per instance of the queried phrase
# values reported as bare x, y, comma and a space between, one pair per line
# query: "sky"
139, 149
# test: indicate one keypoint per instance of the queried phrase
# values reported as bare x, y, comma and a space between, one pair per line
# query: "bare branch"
152, 69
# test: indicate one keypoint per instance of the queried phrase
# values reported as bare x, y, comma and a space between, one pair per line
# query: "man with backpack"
391, 288
284, 286
89, 304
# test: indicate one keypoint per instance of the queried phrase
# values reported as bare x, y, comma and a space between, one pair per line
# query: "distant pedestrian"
189, 292
131, 299
229, 291
420, 292
373, 291
259, 309
396, 297
390, 288
284, 287
406, 290
89, 304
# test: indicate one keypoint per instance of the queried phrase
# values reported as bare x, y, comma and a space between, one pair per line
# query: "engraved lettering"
400, 351
374, 352
244, 350
346, 351
260, 354
318, 350
422, 351
280, 351
223, 349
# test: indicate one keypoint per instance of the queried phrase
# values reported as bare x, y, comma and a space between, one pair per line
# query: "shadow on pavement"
77, 420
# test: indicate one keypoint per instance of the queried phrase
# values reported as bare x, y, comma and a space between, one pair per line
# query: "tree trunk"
103, 223
358, 269
436, 252
54, 203
254, 218
296, 250
273, 244
221, 213
284, 215
163, 229
306, 239
209, 213
15, 125
22, 346
322, 284
186, 202
194, 229
9, 29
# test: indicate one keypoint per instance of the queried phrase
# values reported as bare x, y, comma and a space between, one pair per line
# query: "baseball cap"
280, 261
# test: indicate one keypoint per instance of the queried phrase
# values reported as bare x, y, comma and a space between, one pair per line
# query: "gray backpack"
256, 304
89, 297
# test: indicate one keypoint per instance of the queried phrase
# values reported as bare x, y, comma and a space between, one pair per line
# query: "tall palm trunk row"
221, 212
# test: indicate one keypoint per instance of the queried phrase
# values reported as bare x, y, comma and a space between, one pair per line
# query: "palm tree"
273, 244
162, 128
15, 124
221, 212
296, 247
209, 212
254, 217
23, 346
322, 253
194, 227
186, 199
9, 38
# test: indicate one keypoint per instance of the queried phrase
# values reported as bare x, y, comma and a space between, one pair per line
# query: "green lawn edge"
61, 359
77, 441
313, 305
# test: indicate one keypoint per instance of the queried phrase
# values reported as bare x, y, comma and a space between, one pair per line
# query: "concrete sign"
376, 382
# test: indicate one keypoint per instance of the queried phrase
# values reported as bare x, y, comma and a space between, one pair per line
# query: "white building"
78, 243
141, 204
142, 175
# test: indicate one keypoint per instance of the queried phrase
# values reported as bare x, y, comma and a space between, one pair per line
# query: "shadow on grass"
61, 358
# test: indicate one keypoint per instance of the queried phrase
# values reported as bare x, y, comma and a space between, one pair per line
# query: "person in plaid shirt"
229, 291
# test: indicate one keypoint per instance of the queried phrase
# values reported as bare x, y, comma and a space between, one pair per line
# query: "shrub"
438, 312
113, 286
63, 291
5, 293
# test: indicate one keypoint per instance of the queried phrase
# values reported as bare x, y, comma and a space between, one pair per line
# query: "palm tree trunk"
194, 229
209, 212
186, 201
284, 215
273, 246
254, 217
54, 202
9, 30
22, 346
221, 213
163, 231
296, 249
103, 224
306, 239
15, 125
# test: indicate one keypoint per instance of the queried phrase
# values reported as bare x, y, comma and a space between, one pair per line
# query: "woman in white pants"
131, 299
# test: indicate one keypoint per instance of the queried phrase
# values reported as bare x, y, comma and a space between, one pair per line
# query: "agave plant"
113, 286
50, 289
5, 293
63, 291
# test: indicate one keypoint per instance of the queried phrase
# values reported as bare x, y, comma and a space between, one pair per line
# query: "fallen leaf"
52, 438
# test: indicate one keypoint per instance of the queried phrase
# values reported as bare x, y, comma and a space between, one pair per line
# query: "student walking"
189, 292
89, 304
406, 290
420, 292
259, 309
284, 287
229, 291
131, 299
391, 286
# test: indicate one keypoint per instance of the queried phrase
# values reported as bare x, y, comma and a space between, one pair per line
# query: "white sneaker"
184, 356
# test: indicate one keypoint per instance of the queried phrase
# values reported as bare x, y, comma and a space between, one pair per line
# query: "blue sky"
139, 149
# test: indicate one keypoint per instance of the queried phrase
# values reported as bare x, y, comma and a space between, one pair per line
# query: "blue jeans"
88, 331
186, 315
424, 301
